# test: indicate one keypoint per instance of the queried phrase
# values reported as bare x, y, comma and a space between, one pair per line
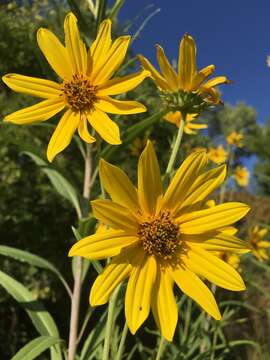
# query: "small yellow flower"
257, 243
218, 155
187, 82
86, 87
189, 128
231, 258
241, 176
235, 139
158, 238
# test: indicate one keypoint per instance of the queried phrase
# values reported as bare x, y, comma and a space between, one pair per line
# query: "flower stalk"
76, 295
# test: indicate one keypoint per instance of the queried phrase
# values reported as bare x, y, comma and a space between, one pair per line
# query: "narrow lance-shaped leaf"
36, 347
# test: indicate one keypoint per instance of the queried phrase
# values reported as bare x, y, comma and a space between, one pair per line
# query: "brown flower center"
79, 94
160, 236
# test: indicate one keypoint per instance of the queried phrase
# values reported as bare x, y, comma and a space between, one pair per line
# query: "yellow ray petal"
187, 62
183, 179
118, 185
102, 244
33, 86
55, 53
63, 133
107, 129
114, 59
173, 117
119, 85
160, 81
112, 275
75, 47
203, 186
42, 111
139, 290
213, 269
149, 179
193, 287
211, 94
197, 126
202, 75
83, 131
163, 304
214, 218
216, 81
263, 244
166, 69
114, 106
217, 241
101, 45
114, 215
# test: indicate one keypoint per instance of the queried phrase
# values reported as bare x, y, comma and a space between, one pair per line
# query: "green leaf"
116, 8
32, 259
58, 181
41, 319
35, 347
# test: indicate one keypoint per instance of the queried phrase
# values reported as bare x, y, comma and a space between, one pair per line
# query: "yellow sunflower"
86, 87
187, 79
241, 176
235, 138
218, 155
190, 128
158, 238
258, 244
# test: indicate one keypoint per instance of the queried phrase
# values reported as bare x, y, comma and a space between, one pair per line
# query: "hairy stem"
75, 301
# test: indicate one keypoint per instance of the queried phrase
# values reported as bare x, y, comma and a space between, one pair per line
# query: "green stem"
161, 348
109, 325
122, 343
176, 146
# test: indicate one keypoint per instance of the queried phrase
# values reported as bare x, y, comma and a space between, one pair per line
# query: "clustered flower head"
218, 154
235, 139
86, 86
190, 127
159, 237
185, 90
241, 176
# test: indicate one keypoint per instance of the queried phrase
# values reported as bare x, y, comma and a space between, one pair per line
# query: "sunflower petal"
166, 69
203, 186
107, 129
213, 269
63, 133
114, 215
183, 179
42, 111
160, 81
118, 185
192, 286
114, 106
139, 290
202, 75
119, 85
33, 86
114, 59
219, 241
83, 131
163, 304
187, 62
197, 222
102, 244
112, 275
101, 45
55, 53
75, 47
149, 180
216, 81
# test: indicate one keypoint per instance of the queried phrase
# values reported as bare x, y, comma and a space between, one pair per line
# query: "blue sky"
233, 35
